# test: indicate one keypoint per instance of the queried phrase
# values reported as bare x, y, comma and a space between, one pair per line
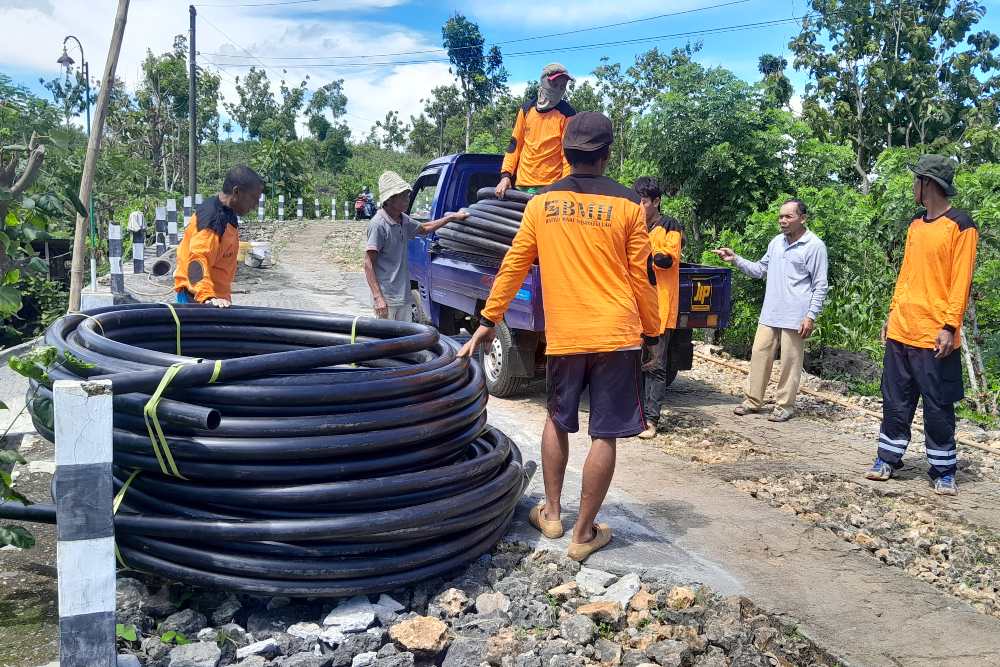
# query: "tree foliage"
481, 74
887, 73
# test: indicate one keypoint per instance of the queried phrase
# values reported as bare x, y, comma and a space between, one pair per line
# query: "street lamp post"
66, 61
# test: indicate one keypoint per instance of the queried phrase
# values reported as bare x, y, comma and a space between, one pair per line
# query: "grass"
991, 422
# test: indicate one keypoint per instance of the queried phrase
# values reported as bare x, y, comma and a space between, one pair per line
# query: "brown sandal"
550, 528
580, 551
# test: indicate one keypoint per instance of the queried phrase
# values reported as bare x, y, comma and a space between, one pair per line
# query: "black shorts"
614, 379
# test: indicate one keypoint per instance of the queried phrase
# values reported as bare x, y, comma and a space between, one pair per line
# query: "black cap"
588, 131
939, 169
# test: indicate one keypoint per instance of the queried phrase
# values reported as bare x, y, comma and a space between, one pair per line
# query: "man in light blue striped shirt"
795, 265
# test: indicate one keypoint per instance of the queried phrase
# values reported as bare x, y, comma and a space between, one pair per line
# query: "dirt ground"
879, 574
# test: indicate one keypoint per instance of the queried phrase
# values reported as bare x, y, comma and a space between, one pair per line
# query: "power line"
261, 4
577, 47
508, 41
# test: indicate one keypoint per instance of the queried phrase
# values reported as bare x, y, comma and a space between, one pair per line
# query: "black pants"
911, 373
654, 383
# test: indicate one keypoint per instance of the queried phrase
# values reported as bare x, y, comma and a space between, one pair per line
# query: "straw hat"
390, 184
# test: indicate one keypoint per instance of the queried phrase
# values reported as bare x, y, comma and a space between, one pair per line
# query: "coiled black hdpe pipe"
491, 226
311, 466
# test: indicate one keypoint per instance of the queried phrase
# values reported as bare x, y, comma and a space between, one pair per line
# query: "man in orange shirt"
206, 256
589, 236
923, 331
666, 240
534, 158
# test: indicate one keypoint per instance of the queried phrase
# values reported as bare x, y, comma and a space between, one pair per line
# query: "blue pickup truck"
451, 287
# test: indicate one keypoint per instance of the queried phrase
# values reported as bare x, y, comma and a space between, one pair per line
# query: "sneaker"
781, 415
880, 471
946, 486
649, 433
745, 408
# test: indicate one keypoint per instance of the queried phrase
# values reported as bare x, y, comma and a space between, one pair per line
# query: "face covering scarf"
550, 93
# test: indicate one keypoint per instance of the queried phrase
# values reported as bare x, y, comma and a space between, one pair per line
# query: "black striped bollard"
347, 211
171, 222
198, 200
137, 227
298, 208
318, 216
85, 551
115, 258
260, 208
281, 207
161, 230
333, 208
187, 215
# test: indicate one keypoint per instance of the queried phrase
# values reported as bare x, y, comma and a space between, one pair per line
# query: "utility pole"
192, 110
93, 148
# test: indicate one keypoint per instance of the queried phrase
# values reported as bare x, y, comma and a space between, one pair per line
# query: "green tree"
329, 97
444, 109
584, 97
776, 83
256, 105
70, 93
714, 140
896, 73
480, 74
392, 131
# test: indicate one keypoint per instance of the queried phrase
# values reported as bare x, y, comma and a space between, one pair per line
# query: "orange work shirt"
666, 238
535, 155
589, 236
206, 258
932, 290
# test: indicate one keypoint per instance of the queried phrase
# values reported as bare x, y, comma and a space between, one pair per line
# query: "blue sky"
346, 34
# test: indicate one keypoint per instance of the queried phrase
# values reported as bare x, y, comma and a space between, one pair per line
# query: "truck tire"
496, 363
671, 375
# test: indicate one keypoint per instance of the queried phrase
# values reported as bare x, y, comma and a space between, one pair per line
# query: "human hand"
381, 307
945, 344
653, 355
482, 336
218, 303
807, 327
885, 331
726, 254
502, 187
457, 215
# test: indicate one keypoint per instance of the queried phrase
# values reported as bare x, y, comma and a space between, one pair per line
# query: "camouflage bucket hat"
939, 169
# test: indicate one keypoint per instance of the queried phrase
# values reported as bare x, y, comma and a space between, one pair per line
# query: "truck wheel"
496, 365
670, 376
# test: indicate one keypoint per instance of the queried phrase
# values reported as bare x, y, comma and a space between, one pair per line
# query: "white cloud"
556, 17
152, 24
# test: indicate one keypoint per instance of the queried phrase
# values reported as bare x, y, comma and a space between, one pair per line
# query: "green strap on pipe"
159, 442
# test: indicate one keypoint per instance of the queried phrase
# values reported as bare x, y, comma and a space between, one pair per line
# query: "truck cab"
450, 288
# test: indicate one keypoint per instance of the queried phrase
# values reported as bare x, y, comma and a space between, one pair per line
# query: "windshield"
422, 199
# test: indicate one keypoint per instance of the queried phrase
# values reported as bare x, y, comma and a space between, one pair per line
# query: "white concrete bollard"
172, 222
161, 230
85, 551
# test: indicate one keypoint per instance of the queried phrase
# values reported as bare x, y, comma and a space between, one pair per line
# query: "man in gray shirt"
795, 266
386, 268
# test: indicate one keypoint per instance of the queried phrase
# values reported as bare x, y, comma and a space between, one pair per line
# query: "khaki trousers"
765, 345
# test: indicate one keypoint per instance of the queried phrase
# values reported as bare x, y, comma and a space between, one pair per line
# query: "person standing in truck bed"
535, 158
